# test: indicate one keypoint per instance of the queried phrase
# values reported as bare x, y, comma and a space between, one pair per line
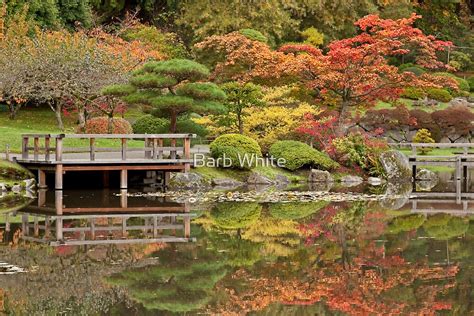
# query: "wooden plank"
119, 209
105, 162
123, 179
128, 136
117, 241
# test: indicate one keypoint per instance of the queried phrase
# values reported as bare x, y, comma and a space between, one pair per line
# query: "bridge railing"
465, 147
50, 147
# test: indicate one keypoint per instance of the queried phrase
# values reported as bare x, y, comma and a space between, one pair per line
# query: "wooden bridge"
461, 159
48, 153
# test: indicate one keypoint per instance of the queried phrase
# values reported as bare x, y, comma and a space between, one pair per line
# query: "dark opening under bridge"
48, 153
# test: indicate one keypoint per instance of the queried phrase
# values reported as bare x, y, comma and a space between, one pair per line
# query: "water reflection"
413, 255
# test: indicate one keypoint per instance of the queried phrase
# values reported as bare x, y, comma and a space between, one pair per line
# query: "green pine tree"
172, 88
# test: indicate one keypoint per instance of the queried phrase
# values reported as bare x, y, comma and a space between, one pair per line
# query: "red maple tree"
357, 70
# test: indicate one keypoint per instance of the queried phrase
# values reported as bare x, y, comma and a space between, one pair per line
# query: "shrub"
99, 125
462, 83
460, 61
425, 120
405, 223
149, 124
231, 215
413, 93
360, 150
298, 210
402, 67
236, 147
470, 80
423, 136
437, 94
418, 71
455, 122
298, 154
445, 226
254, 35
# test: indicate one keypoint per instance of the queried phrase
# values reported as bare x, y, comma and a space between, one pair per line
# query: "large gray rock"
257, 178
460, 101
316, 175
374, 181
396, 195
425, 102
189, 180
351, 181
426, 180
281, 179
396, 165
426, 175
226, 183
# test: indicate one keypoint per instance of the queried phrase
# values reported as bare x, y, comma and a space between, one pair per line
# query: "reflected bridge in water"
117, 222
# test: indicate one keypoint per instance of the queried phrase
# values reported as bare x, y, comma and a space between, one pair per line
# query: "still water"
100, 253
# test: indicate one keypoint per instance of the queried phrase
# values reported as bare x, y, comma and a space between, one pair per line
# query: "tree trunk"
341, 128
81, 116
241, 124
173, 121
57, 109
13, 111
110, 125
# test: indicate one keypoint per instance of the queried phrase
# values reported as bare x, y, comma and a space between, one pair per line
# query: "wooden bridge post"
58, 185
187, 153
24, 148
42, 179
123, 179
47, 147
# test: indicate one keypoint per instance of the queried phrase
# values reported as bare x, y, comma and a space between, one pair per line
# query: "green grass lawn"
42, 120
409, 104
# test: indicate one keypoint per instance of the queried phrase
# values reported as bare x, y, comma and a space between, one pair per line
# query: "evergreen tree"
173, 88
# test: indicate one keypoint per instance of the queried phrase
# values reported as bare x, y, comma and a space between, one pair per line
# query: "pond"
103, 253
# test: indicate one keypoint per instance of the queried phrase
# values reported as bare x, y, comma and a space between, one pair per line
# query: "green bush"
462, 83
238, 148
418, 71
423, 136
232, 215
298, 154
254, 35
413, 93
445, 226
402, 67
470, 80
149, 124
437, 94
405, 223
293, 211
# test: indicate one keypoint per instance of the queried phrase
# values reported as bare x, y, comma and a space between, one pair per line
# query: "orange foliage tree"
356, 69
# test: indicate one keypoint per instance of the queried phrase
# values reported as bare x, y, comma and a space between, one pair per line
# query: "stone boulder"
257, 178
226, 183
425, 102
426, 180
460, 101
351, 181
189, 180
396, 165
316, 175
281, 179
374, 181
397, 194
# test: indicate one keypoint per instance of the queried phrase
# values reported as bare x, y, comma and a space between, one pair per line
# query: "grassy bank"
242, 175
42, 120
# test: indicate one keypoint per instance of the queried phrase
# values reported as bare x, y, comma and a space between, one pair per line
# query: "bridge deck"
165, 152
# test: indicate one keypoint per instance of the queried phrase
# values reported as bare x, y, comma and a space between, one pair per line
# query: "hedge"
236, 147
298, 155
